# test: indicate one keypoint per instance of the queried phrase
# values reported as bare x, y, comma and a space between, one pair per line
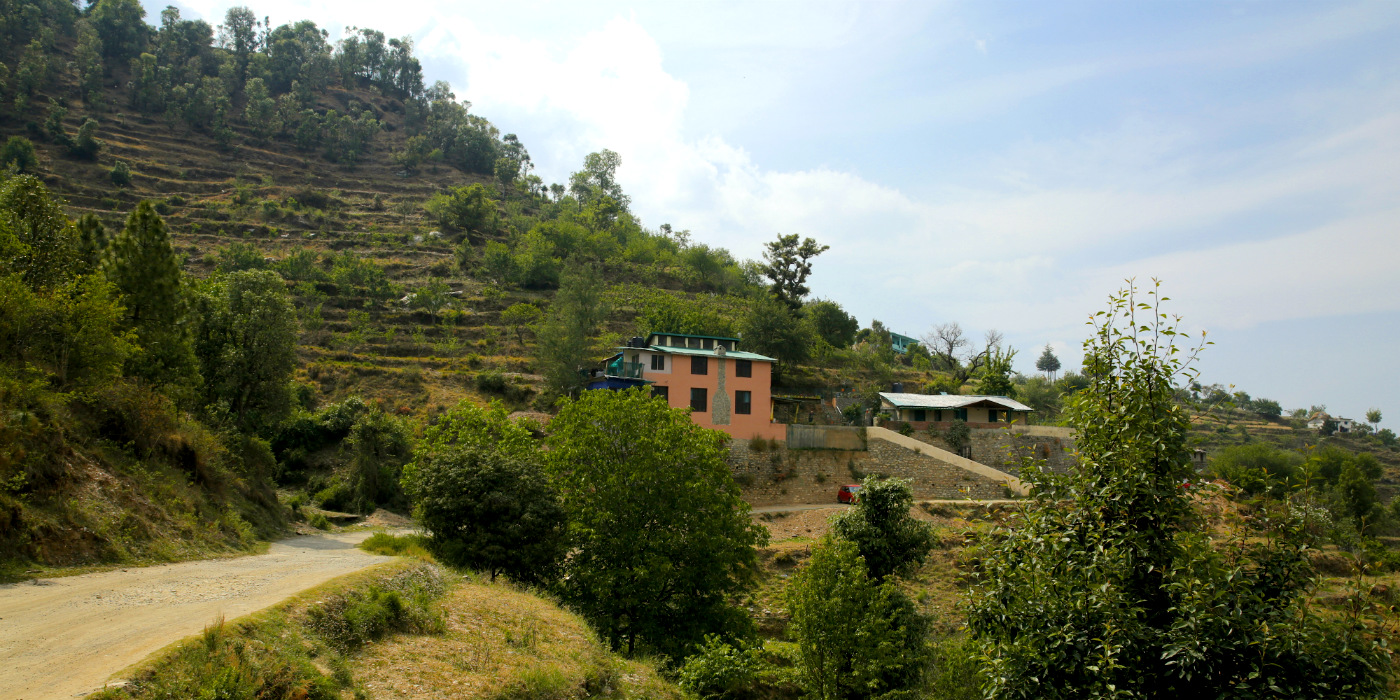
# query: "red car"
847, 493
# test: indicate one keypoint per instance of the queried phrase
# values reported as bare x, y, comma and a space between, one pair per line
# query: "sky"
1004, 165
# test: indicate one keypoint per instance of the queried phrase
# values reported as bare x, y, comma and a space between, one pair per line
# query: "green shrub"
1258, 468
905, 429
318, 521
120, 174
19, 152
956, 664
388, 545
405, 602
721, 671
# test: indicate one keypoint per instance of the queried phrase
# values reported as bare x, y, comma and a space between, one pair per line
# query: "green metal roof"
732, 354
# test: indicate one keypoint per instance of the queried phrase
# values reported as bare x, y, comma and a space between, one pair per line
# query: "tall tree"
1373, 416
832, 323
48, 252
955, 352
121, 25
246, 343
662, 540
598, 179
1108, 588
772, 328
142, 265
995, 379
92, 242
1048, 363
239, 34
787, 262
565, 339
857, 638
890, 540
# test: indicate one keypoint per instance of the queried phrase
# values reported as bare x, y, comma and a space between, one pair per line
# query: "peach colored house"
724, 388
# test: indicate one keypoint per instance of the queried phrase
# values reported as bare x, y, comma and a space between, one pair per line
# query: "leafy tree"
661, 312
86, 145
493, 511
19, 153
379, 446
787, 262
88, 60
142, 264
260, 110
1107, 587
890, 540
432, 297
520, 316
239, 34
958, 436
772, 328
598, 179
564, 340
45, 250
1048, 363
856, 637
722, 671
120, 174
121, 25
996, 374
463, 209
246, 343
662, 540
71, 333
1373, 416
832, 323
1267, 408
1259, 468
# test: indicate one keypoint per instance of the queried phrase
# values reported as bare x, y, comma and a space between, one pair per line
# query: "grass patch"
388, 545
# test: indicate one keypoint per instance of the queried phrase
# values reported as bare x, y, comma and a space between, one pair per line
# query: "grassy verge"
302, 648
408, 628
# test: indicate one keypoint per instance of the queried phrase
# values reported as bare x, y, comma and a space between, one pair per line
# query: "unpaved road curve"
64, 637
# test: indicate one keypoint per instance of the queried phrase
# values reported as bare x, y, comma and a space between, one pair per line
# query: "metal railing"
627, 370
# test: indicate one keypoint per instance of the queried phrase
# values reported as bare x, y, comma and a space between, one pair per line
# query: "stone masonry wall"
1003, 449
789, 477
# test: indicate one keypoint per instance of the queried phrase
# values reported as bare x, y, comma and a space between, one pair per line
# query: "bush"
889, 539
721, 671
19, 152
350, 620
318, 521
388, 545
956, 664
958, 436
120, 174
905, 429
1258, 468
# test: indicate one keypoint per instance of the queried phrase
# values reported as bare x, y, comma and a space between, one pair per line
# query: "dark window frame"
662, 392
699, 400
743, 403
920, 415
658, 362
743, 368
699, 364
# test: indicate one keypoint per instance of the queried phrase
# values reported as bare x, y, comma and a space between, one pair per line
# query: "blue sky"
1004, 165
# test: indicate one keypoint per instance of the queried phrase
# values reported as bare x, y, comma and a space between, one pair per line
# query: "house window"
920, 415
743, 402
991, 415
938, 416
960, 414
662, 392
658, 363
743, 368
699, 400
699, 365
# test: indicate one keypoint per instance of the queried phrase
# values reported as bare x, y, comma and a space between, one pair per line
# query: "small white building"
921, 410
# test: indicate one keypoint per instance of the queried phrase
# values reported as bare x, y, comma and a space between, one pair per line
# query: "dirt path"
65, 637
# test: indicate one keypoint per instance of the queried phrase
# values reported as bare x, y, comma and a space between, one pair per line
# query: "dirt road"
64, 637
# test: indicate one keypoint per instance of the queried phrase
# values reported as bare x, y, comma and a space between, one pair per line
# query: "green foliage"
236, 257
385, 544
995, 379
831, 323
92, 242
470, 427
565, 339
772, 328
958, 436
520, 316
787, 263
463, 209
856, 637
72, 334
379, 445
721, 671
86, 145
245, 340
121, 26
661, 539
956, 669
1259, 468
660, 312
19, 153
43, 243
888, 538
1267, 408
120, 174
598, 180
1106, 587
491, 510
142, 265
260, 110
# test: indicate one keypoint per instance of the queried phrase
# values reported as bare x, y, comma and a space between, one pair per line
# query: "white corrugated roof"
949, 401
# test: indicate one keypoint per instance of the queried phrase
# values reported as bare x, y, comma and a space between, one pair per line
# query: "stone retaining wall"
790, 477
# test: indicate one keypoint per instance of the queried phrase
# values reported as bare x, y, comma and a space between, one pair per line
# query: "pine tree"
92, 242
1048, 363
142, 265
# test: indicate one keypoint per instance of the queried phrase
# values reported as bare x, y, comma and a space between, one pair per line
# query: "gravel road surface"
65, 637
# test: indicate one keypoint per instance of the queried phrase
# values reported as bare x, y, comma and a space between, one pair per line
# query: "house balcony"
626, 370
